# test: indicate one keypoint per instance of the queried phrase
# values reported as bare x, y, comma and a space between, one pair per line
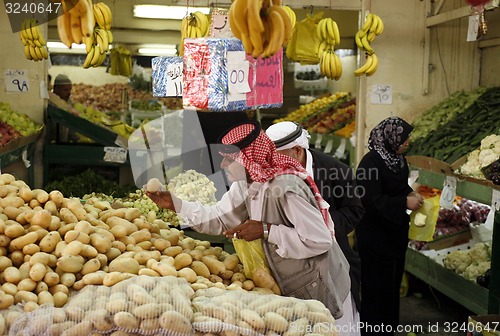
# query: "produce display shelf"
470, 295
453, 285
78, 154
99, 134
321, 142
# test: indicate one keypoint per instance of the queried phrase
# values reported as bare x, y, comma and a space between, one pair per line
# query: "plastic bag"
251, 255
302, 46
423, 221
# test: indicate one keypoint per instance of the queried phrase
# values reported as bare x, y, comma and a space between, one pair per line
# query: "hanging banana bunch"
35, 46
193, 25
97, 45
372, 27
328, 35
263, 27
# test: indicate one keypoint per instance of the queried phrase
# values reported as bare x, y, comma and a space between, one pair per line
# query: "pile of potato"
141, 305
51, 245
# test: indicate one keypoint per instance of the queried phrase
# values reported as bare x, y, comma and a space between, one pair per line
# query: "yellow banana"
373, 26
102, 40
291, 14
22, 32
366, 45
45, 53
321, 48
336, 32
321, 30
27, 29
23, 38
370, 36
361, 70
380, 26
41, 39
39, 54
108, 16
287, 24
110, 35
257, 40
27, 53
202, 22
197, 31
64, 29
277, 33
234, 29
240, 19
35, 29
87, 20
33, 54
76, 30
99, 16
253, 15
373, 67
89, 42
88, 58
96, 55
328, 65
101, 59
331, 31
338, 66
357, 38
368, 23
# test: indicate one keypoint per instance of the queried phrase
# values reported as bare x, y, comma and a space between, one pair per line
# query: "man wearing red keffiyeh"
273, 191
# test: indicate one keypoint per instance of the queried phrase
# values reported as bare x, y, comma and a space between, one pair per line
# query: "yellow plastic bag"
251, 255
303, 43
423, 221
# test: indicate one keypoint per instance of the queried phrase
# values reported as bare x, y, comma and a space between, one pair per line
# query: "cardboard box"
449, 241
485, 325
167, 76
430, 164
219, 76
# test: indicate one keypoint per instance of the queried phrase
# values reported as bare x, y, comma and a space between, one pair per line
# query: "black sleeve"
375, 180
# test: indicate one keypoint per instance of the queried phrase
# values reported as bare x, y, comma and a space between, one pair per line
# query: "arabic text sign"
16, 80
267, 83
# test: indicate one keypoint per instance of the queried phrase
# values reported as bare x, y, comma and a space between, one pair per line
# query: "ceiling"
134, 32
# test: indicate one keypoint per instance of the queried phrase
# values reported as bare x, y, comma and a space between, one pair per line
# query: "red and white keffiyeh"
264, 163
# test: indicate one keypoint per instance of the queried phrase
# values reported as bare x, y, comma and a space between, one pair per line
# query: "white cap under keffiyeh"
288, 134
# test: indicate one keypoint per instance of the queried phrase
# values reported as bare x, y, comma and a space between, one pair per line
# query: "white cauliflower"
457, 261
193, 186
487, 157
474, 270
472, 167
479, 253
491, 141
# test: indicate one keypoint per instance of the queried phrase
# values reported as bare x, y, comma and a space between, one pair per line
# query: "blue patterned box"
167, 76
219, 77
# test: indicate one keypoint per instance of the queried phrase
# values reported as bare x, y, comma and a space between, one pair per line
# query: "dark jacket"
336, 183
386, 223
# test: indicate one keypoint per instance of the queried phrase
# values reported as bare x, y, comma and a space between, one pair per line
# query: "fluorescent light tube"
157, 51
166, 12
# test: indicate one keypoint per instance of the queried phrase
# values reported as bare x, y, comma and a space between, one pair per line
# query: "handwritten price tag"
237, 75
174, 81
115, 154
16, 80
381, 94
449, 192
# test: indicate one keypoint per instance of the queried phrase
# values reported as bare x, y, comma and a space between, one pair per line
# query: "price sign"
473, 28
319, 138
115, 154
16, 80
414, 174
237, 75
329, 146
174, 80
381, 94
220, 25
449, 192
340, 152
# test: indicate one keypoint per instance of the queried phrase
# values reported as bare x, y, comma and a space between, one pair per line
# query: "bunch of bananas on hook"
35, 46
328, 35
264, 27
372, 27
97, 44
193, 25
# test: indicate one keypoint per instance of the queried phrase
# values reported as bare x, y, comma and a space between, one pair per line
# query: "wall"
92, 76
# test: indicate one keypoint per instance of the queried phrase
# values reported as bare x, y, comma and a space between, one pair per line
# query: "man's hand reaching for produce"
162, 198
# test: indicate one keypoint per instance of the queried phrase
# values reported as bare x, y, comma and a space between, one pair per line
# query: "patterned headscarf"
248, 145
387, 137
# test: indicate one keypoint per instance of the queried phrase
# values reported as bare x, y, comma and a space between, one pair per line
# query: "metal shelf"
475, 298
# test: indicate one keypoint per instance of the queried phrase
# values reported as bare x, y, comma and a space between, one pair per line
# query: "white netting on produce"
239, 312
141, 305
